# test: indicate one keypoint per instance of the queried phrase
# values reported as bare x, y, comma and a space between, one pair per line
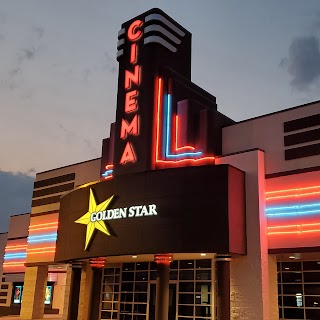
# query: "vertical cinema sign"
149, 46
130, 123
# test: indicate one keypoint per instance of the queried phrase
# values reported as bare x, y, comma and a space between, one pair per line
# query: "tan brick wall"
35, 282
85, 292
67, 293
273, 287
59, 290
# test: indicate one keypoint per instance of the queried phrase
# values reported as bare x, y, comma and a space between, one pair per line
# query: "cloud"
90, 146
71, 137
303, 62
17, 72
2, 18
316, 24
27, 54
15, 195
38, 31
110, 63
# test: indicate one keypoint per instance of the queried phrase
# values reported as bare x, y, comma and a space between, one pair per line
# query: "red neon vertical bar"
157, 118
176, 129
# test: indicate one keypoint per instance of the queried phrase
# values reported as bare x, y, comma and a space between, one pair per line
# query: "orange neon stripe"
17, 245
296, 192
44, 228
41, 248
294, 232
284, 232
42, 224
294, 189
296, 225
186, 148
14, 265
293, 195
304, 231
187, 160
42, 252
16, 248
288, 226
108, 177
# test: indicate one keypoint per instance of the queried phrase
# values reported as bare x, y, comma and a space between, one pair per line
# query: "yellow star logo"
93, 225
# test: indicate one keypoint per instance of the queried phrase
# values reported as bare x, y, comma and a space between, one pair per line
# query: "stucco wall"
251, 283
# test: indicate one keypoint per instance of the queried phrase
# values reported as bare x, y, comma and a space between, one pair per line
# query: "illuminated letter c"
133, 33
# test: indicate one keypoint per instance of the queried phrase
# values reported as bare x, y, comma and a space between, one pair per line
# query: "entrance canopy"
181, 210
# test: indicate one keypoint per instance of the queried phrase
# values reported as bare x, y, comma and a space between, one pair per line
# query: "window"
299, 289
126, 290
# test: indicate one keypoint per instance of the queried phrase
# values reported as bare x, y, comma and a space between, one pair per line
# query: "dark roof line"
69, 165
272, 113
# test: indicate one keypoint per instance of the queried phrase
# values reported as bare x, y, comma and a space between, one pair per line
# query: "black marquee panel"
200, 209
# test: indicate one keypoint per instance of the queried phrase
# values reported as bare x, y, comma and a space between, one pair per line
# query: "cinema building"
187, 214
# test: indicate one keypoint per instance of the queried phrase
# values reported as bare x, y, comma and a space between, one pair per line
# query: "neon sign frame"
166, 135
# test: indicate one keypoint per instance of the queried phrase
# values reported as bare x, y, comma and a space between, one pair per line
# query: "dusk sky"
58, 72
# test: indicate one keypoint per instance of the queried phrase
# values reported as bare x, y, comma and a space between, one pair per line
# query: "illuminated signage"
98, 213
163, 120
123, 213
48, 295
131, 85
169, 132
17, 294
18, 291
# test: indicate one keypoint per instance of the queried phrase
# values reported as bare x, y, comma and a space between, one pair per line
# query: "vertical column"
273, 287
223, 287
67, 293
251, 289
162, 287
97, 265
85, 292
71, 294
35, 281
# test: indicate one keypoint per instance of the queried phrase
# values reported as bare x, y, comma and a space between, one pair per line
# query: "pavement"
46, 316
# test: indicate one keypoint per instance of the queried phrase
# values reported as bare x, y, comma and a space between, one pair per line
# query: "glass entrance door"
172, 301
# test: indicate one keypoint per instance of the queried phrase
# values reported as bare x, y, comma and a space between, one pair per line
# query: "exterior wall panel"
293, 210
267, 133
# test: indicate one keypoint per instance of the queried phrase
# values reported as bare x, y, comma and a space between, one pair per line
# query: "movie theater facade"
187, 214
